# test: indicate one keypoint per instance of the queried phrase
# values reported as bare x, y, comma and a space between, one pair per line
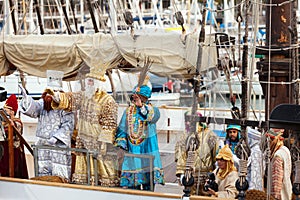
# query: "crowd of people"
92, 113
118, 149
215, 164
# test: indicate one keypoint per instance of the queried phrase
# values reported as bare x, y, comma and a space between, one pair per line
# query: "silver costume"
57, 124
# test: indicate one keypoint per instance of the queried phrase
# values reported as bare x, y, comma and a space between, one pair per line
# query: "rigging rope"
297, 171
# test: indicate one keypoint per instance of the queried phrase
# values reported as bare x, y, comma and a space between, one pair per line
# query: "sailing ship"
174, 55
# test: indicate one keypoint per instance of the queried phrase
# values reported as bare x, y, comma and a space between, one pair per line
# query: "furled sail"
172, 55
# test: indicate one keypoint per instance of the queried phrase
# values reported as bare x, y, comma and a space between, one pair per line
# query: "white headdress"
54, 79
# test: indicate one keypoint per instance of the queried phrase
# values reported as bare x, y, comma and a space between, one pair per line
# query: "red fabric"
169, 85
12, 103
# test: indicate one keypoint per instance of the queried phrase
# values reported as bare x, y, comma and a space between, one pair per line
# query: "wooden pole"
37, 9
12, 10
74, 17
11, 162
89, 4
23, 141
276, 67
63, 3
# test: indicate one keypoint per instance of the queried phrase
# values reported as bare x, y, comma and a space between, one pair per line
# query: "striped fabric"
277, 177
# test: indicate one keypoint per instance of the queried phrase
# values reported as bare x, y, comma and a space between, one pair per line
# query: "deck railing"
94, 155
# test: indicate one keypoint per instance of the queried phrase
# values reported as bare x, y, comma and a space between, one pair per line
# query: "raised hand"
25, 96
23, 91
137, 100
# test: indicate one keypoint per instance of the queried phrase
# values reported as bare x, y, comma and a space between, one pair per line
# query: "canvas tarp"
171, 53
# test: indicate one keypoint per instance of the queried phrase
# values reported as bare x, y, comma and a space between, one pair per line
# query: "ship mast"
12, 11
188, 179
37, 9
276, 69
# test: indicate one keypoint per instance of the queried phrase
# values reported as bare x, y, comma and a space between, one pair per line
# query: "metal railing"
94, 155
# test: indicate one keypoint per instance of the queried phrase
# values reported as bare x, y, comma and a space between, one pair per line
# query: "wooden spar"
63, 3
217, 120
244, 81
243, 150
199, 61
24, 13
11, 160
275, 68
113, 88
89, 4
73, 13
102, 24
23, 141
188, 180
37, 9
12, 11
295, 55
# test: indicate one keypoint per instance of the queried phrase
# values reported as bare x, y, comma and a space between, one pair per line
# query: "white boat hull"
12, 188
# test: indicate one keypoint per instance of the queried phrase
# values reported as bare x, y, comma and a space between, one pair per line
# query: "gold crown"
96, 74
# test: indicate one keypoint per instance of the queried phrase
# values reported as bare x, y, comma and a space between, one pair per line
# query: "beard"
234, 139
47, 101
89, 91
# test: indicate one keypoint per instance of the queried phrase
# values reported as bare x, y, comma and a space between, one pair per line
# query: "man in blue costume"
136, 134
233, 135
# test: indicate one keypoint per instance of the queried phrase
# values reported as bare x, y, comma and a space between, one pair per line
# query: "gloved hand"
25, 97
55, 97
180, 179
52, 141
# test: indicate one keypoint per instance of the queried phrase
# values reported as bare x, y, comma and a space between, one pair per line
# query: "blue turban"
232, 126
236, 127
144, 90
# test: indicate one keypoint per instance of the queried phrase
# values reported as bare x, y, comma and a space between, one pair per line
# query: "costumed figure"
225, 175
54, 128
281, 166
20, 166
233, 136
205, 154
255, 165
97, 123
136, 134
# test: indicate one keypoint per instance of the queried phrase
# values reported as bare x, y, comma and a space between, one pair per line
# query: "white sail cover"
171, 53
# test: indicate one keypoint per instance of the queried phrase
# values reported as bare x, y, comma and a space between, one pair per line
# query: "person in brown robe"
20, 166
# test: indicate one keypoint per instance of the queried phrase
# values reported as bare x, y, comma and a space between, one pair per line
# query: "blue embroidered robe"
137, 135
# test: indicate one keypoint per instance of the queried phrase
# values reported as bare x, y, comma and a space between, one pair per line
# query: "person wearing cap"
281, 166
97, 123
226, 175
205, 159
20, 166
54, 128
136, 134
233, 135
